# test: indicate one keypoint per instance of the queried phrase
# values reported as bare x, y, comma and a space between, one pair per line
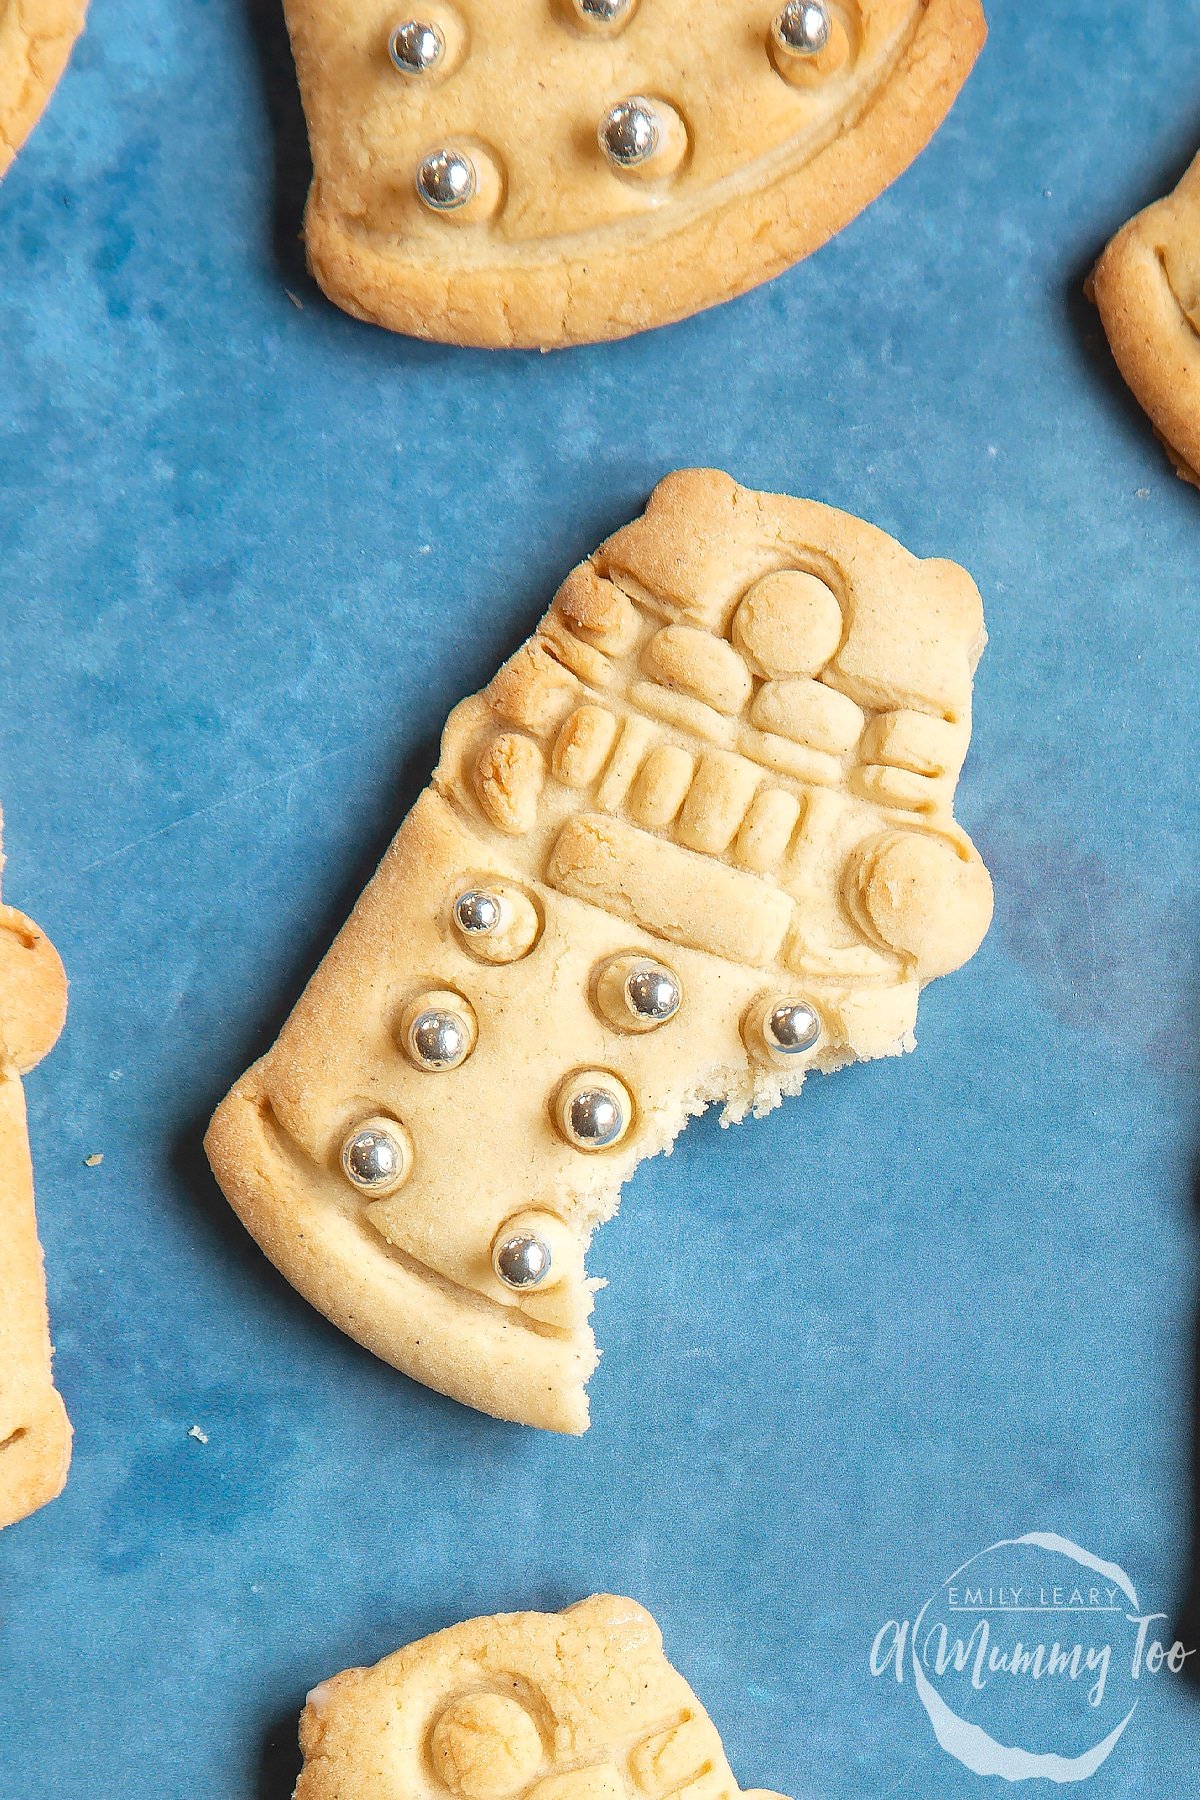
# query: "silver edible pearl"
416, 47
372, 1158
652, 994
802, 28
438, 1040
600, 15
522, 1261
792, 1027
477, 912
594, 1118
446, 180
630, 133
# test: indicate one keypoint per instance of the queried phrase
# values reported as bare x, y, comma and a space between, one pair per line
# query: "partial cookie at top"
577, 1705
695, 840
35, 41
584, 169
1147, 289
35, 1436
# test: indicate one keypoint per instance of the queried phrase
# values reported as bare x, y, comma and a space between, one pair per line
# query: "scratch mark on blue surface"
202, 812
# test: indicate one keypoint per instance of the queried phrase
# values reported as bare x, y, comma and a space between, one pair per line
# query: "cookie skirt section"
596, 287
35, 1436
312, 1230
36, 37
1153, 342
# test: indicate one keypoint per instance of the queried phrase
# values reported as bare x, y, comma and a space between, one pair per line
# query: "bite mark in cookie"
577, 1705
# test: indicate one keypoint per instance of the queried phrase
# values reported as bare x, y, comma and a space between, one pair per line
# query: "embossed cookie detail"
577, 1705
582, 169
693, 841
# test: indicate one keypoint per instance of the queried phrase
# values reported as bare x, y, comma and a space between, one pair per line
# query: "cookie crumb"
1142, 493
94, 1160
201, 1437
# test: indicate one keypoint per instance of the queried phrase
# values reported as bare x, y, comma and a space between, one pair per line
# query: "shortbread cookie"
577, 1705
694, 840
35, 1437
582, 169
35, 41
1147, 287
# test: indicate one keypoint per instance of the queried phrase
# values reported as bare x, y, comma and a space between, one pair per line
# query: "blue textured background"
251, 554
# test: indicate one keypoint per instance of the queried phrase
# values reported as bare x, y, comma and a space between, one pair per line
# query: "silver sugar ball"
600, 14
594, 1118
653, 994
446, 180
438, 1040
477, 912
522, 1261
629, 133
416, 47
802, 28
372, 1158
792, 1026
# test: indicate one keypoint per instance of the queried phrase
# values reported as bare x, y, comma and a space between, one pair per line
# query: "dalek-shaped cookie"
550, 172
35, 1436
576, 1705
693, 842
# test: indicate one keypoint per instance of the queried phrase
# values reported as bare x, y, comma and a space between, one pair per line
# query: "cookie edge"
1141, 319
480, 308
407, 1320
54, 52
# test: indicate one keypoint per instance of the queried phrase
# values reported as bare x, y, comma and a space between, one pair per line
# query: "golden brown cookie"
1147, 287
35, 1436
694, 840
584, 169
35, 41
577, 1705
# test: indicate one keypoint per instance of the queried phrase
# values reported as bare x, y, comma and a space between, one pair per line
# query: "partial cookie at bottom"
577, 1705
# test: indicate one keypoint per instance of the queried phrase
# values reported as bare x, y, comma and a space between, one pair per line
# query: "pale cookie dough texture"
35, 41
35, 1437
577, 1705
1147, 287
761, 158
724, 763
